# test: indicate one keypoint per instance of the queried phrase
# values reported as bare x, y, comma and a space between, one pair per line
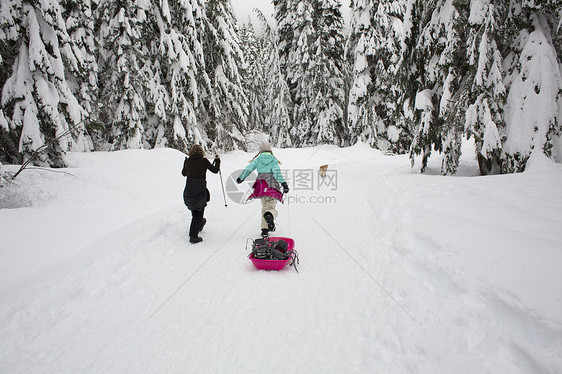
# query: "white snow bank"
532, 106
48, 216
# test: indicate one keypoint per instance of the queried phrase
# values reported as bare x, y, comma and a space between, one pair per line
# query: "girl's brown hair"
196, 150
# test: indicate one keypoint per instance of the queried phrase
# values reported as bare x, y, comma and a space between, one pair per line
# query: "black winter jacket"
196, 195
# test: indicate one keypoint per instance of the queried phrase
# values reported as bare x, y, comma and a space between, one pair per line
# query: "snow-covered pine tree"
153, 39
417, 101
38, 102
375, 50
552, 10
83, 70
299, 74
253, 74
3, 176
10, 13
347, 76
532, 112
225, 111
557, 42
285, 41
452, 69
484, 117
277, 120
310, 50
361, 114
175, 73
285, 30
396, 133
441, 66
122, 87
327, 68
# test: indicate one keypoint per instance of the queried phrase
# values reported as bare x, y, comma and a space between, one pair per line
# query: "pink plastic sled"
274, 264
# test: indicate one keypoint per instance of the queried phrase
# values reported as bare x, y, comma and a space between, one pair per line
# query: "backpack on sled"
273, 253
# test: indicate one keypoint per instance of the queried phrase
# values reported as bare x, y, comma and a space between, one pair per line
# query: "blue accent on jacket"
264, 163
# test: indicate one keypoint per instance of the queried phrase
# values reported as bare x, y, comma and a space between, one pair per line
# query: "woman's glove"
285, 187
238, 180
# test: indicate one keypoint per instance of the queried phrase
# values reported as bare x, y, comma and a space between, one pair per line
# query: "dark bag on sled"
279, 250
266, 250
261, 249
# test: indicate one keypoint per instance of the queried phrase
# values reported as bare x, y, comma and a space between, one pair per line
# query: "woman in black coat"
196, 195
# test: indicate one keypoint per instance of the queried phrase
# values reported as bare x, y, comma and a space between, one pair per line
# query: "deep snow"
399, 272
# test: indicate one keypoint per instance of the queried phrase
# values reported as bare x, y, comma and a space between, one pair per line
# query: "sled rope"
199, 268
361, 266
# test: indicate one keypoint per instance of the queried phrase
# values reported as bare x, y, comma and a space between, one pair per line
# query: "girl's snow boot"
268, 217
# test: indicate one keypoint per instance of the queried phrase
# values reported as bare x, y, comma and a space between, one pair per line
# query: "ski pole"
222, 185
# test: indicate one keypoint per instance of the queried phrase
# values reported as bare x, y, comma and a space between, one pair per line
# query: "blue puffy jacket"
265, 163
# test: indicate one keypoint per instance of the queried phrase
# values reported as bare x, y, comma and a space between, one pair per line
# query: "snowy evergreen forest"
408, 76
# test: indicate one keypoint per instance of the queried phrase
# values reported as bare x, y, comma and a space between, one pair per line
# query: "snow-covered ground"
399, 272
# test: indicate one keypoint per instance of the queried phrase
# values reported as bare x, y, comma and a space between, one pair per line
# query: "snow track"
383, 287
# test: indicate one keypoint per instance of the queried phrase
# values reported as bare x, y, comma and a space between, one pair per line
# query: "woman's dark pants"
196, 222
